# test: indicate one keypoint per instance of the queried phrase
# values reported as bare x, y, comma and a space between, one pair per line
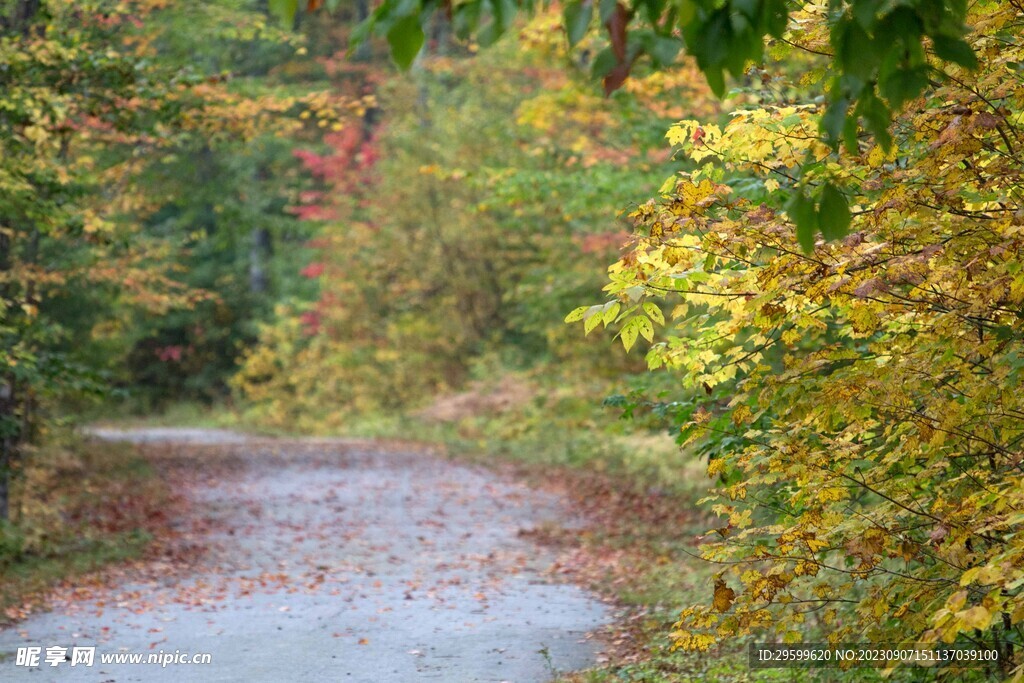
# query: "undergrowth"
78, 506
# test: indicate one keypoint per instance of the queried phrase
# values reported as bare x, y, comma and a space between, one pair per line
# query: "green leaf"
748, 8
865, 12
630, 333
801, 211
834, 213
716, 80
611, 312
362, 32
406, 40
850, 130
834, 118
604, 62
876, 115
503, 11
903, 85
577, 15
467, 18
856, 52
645, 327
686, 11
607, 8
592, 319
710, 41
652, 310
664, 50
902, 25
653, 10
776, 17
955, 50
284, 10
576, 314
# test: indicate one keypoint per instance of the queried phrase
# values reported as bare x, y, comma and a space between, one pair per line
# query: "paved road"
329, 561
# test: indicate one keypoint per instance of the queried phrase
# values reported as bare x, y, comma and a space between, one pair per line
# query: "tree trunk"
364, 52
259, 254
8, 411
8, 444
19, 17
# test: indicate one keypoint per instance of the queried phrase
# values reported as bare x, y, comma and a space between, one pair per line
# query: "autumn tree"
98, 102
69, 88
857, 398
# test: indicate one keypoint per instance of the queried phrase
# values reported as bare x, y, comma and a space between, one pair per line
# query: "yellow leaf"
976, 617
875, 157
724, 596
741, 415
956, 600
715, 466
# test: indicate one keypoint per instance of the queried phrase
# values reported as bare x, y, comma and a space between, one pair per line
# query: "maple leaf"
723, 597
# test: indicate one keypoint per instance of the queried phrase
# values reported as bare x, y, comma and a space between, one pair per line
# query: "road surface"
329, 561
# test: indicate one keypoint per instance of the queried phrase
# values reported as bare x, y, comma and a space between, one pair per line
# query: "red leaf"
615, 78
312, 271
616, 26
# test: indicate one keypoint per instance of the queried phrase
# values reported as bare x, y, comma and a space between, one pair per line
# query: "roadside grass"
78, 507
172, 415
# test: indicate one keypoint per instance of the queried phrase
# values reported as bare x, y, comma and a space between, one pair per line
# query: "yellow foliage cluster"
869, 438
317, 382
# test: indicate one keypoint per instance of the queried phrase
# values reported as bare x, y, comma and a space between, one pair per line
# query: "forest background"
212, 213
